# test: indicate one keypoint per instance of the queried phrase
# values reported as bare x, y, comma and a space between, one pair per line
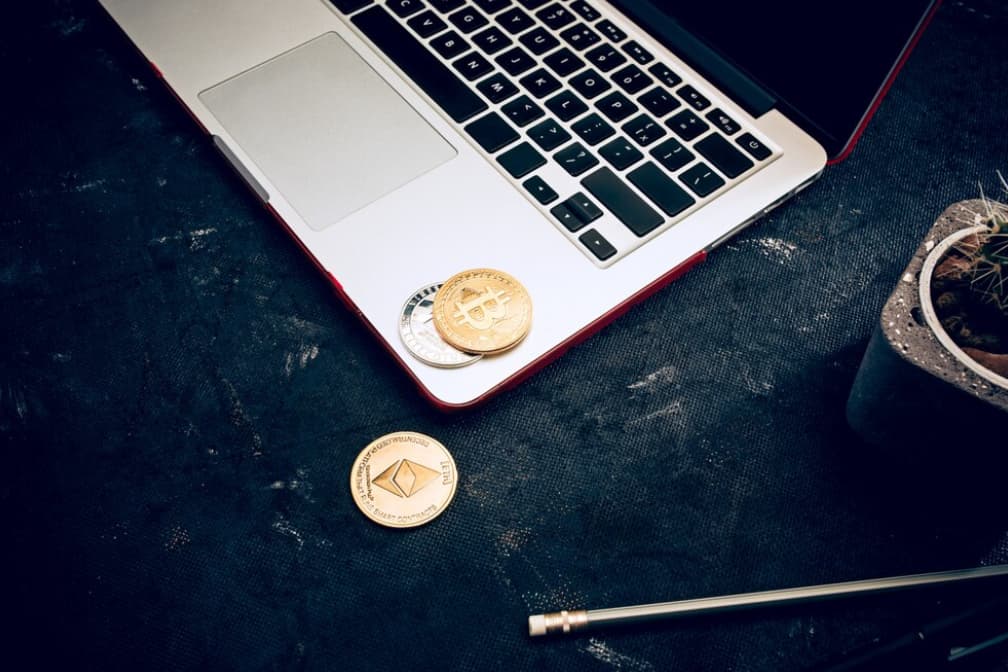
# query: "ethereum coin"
482, 311
416, 327
403, 479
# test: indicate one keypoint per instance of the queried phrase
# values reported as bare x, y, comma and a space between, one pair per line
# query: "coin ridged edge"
406, 333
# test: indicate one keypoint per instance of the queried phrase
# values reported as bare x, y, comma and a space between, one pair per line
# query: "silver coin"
416, 327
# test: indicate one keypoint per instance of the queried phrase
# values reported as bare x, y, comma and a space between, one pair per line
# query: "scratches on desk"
655, 384
649, 383
195, 238
667, 413
522, 565
176, 538
240, 418
775, 249
513, 539
298, 484
284, 527
69, 25
89, 185
13, 403
305, 353
604, 653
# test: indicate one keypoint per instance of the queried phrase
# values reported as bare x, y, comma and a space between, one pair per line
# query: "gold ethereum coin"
482, 311
403, 479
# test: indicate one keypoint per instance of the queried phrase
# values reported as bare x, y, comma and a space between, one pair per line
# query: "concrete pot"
917, 392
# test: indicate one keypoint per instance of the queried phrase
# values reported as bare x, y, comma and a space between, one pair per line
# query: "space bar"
436, 80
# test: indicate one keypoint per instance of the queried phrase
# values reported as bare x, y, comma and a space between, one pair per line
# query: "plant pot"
918, 392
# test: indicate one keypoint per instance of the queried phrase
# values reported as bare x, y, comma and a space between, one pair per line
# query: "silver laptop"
593, 150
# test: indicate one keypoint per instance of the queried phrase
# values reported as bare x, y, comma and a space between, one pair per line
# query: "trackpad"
326, 129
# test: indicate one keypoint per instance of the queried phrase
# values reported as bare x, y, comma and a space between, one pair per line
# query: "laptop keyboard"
613, 145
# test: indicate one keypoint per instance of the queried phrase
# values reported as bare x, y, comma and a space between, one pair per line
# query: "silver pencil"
567, 621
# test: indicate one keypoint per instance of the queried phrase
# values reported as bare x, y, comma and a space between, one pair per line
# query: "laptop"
593, 150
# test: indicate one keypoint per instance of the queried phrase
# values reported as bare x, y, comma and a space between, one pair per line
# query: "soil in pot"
977, 324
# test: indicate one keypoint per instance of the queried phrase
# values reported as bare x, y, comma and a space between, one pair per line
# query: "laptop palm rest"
327, 131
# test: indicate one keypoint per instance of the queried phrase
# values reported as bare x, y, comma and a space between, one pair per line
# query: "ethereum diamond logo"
405, 478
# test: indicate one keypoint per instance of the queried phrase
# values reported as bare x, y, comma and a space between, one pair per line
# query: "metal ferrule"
560, 621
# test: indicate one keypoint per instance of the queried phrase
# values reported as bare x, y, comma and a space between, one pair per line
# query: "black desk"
182, 396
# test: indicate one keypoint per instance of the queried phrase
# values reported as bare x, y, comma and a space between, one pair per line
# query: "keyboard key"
598, 245
564, 215
590, 83
540, 83
583, 208
671, 154
472, 66
632, 79
427, 23
434, 77
620, 153
701, 180
515, 61
723, 121
665, 75
492, 6
723, 155
580, 36
492, 132
593, 129
404, 8
564, 62
615, 106
609, 29
521, 160
660, 188
628, 207
497, 88
522, 111
687, 125
350, 6
515, 20
757, 149
693, 97
555, 16
548, 134
643, 130
659, 102
491, 40
538, 41
566, 105
638, 53
575, 159
586, 11
532, 4
540, 191
467, 19
445, 6
605, 58
449, 45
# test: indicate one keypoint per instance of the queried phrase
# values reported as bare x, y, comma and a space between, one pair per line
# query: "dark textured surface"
181, 398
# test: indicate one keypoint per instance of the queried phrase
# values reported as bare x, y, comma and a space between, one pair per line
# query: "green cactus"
970, 285
987, 257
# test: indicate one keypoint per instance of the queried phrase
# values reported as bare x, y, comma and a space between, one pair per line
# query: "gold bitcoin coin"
403, 479
482, 311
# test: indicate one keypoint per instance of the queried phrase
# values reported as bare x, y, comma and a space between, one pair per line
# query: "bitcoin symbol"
481, 312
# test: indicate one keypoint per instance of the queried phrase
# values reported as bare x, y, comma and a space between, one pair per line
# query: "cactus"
970, 285
987, 256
